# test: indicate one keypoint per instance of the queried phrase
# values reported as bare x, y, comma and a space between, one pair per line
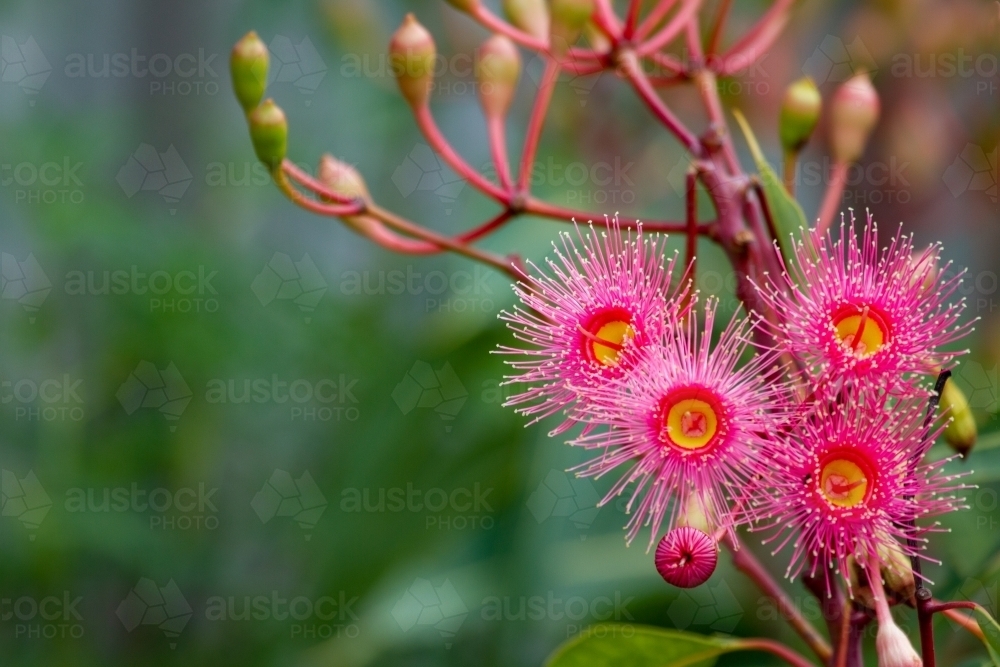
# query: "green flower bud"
411, 57
854, 111
961, 432
568, 19
799, 114
269, 133
248, 65
531, 16
497, 70
896, 571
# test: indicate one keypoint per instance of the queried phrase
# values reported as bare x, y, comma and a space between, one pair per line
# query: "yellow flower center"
862, 330
615, 332
843, 480
691, 418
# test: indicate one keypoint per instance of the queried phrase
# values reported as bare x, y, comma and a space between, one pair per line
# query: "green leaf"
991, 634
786, 212
612, 645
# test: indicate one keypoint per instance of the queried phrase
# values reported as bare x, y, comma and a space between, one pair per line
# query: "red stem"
831, 200
756, 41
671, 30
498, 149
653, 19
441, 146
720, 23
631, 19
747, 563
536, 121
539, 207
646, 91
776, 649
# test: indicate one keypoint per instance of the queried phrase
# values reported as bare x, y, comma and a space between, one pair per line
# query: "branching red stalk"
425, 120
747, 563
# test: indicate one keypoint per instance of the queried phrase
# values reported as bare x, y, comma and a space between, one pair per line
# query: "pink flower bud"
686, 557
894, 647
497, 70
411, 57
854, 111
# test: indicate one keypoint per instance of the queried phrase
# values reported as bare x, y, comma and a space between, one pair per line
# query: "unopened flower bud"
894, 647
854, 111
531, 16
497, 70
411, 57
342, 178
961, 432
686, 557
248, 64
799, 114
269, 133
568, 19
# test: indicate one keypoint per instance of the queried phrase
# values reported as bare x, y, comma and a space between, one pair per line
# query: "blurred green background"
236, 433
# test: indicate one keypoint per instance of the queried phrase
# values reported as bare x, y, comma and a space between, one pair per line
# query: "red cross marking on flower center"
694, 424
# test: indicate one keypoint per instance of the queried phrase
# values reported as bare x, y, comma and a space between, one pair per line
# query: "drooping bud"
269, 133
468, 6
896, 572
961, 432
686, 557
568, 19
248, 63
894, 647
531, 16
497, 70
411, 57
854, 111
799, 114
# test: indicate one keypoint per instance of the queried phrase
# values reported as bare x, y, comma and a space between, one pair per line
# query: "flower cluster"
809, 420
